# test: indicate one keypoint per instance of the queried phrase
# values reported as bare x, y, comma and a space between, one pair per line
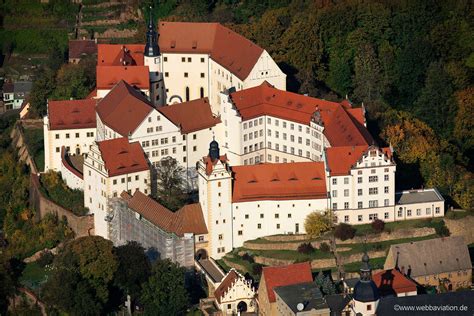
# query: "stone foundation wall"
81, 225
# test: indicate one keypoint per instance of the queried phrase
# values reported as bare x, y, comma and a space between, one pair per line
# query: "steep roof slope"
191, 116
121, 157
229, 49
188, 219
432, 256
286, 275
123, 109
279, 181
72, 114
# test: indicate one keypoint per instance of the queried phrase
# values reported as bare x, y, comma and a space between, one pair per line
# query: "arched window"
187, 93
201, 92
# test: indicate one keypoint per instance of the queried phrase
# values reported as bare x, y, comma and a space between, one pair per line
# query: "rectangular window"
386, 202
359, 179
385, 177
261, 215
334, 206
259, 226
346, 180
202, 59
359, 192
373, 217
334, 180
346, 192
385, 216
400, 212
359, 218
418, 212
202, 75
373, 179
428, 211
408, 212
334, 193
359, 205
185, 75
67, 135
57, 136
385, 190
437, 210
346, 205
57, 149
346, 218
373, 203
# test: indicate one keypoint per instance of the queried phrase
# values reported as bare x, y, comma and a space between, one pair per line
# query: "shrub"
440, 228
378, 225
45, 258
344, 231
305, 248
324, 247
257, 269
248, 258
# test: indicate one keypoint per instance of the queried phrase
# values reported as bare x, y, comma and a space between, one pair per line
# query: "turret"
366, 294
152, 59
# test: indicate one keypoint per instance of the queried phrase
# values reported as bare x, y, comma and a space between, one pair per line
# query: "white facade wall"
266, 70
367, 193
76, 141
71, 179
268, 139
99, 187
241, 291
419, 210
215, 196
363, 308
184, 73
193, 76
263, 218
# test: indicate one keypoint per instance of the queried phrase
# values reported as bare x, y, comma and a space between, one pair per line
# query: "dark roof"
123, 109
386, 306
8, 87
22, 86
366, 291
351, 282
306, 293
78, 48
188, 219
418, 196
432, 256
337, 303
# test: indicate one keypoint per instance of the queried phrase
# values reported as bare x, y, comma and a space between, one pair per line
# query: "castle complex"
260, 157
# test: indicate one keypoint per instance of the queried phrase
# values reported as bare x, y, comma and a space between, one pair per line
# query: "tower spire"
151, 48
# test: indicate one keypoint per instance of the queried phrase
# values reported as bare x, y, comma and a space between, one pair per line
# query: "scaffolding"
124, 224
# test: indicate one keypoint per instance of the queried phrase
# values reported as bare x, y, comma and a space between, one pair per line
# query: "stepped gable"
121, 157
72, 114
279, 181
123, 109
188, 219
229, 49
191, 116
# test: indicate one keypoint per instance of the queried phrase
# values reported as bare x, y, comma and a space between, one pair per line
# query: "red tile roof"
393, 280
295, 181
340, 128
229, 49
123, 109
118, 54
71, 114
191, 116
285, 275
78, 48
188, 219
121, 157
109, 76
341, 159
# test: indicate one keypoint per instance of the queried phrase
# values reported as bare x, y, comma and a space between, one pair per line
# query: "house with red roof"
266, 124
273, 277
70, 124
111, 167
235, 294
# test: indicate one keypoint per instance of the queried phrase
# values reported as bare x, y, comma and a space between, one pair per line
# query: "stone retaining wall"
81, 225
462, 227
18, 141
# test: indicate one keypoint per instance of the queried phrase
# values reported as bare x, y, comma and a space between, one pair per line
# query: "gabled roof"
341, 159
191, 116
123, 109
341, 128
210, 163
78, 48
229, 49
432, 256
121, 157
188, 219
120, 54
285, 275
109, 76
393, 281
71, 114
279, 181
226, 284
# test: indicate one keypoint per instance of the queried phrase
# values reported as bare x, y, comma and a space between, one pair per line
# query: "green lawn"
33, 276
364, 229
34, 139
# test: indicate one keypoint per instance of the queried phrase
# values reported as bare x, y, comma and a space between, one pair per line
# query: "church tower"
366, 294
152, 59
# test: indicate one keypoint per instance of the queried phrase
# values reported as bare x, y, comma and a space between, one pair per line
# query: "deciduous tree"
317, 223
